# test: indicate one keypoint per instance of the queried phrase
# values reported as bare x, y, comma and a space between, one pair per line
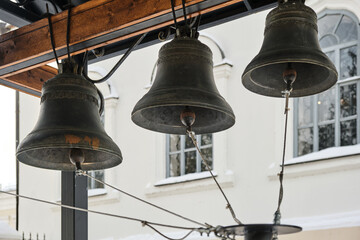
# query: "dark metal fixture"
269, 231
184, 80
69, 135
69, 121
290, 37
257, 231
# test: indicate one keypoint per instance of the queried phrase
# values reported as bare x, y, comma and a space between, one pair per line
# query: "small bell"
184, 82
290, 38
69, 133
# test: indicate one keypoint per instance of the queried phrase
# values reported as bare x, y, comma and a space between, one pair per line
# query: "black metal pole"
74, 224
74, 192
17, 118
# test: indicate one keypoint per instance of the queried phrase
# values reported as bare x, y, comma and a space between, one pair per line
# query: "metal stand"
74, 224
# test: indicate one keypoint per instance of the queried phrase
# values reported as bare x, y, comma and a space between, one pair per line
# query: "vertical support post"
74, 224
17, 137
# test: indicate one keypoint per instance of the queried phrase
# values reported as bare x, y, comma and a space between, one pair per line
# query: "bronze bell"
184, 85
69, 126
290, 39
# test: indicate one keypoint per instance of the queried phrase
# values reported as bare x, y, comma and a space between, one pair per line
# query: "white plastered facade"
322, 196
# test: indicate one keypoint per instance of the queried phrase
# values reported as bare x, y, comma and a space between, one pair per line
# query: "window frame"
182, 152
355, 79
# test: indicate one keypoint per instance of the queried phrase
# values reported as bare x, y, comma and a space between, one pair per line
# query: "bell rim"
26, 146
248, 82
136, 117
116, 160
22, 150
189, 105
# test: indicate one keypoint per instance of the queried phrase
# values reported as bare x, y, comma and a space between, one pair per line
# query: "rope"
98, 212
163, 235
277, 214
80, 172
228, 206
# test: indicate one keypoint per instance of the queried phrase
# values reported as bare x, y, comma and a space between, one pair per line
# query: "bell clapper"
76, 156
289, 76
187, 118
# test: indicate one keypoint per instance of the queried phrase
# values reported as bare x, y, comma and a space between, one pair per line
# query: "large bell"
184, 81
290, 39
69, 125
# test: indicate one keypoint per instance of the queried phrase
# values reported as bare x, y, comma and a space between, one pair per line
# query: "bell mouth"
264, 74
267, 79
59, 160
50, 149
160, 111
166, 119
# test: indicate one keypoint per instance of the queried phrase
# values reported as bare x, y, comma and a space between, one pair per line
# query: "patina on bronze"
69, 120
184, 80
290, 36
258, 231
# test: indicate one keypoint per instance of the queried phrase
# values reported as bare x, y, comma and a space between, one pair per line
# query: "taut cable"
277, 214
80, 172
100, 213
228, 206
289, 76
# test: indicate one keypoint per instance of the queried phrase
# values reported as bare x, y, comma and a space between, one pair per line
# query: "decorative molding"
331, 221
222, 70
318, 167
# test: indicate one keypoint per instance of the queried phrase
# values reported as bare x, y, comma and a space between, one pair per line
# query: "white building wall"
318, 195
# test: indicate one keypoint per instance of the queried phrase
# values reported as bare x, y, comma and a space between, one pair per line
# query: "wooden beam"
32, 79
29, 47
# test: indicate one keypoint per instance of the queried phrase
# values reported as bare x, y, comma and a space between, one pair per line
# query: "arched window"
330, 119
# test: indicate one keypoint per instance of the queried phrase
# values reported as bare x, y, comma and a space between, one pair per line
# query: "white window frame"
356, 79
182, 152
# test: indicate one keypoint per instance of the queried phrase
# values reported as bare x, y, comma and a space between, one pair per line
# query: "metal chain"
228, 206
80, 172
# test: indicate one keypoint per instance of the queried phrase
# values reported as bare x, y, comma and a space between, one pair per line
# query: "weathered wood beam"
30, 81
93, 24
